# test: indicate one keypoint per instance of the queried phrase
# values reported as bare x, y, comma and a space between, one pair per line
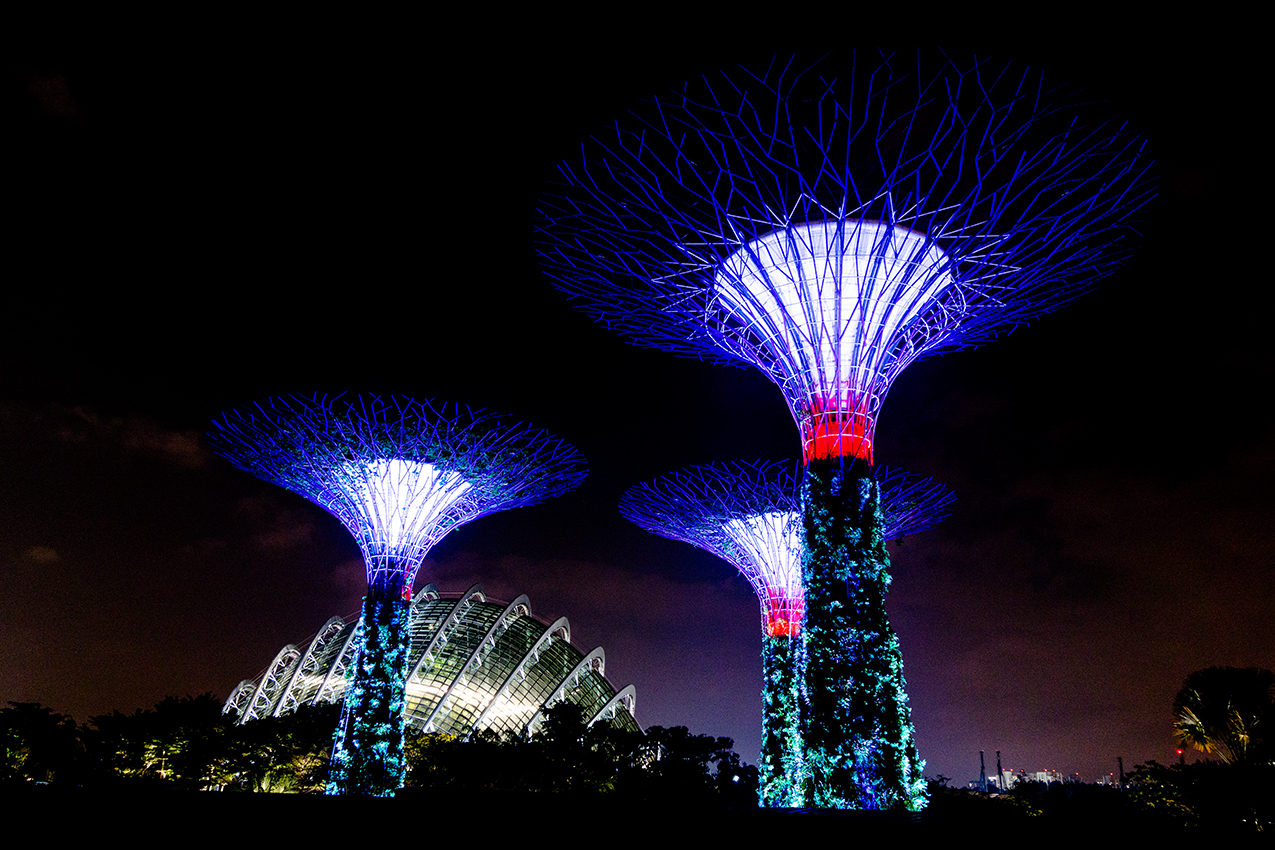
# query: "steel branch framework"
399, 474
749, 515
831, 229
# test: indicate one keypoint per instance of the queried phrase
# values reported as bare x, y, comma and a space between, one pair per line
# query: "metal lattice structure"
399, 474
749, 515
475, 664
830, 229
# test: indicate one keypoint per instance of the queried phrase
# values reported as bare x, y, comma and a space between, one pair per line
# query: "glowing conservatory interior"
475, 664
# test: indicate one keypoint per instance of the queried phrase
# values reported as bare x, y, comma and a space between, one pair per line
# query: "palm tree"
1228, 712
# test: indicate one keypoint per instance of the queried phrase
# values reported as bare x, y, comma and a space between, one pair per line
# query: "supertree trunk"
367, 755
780, 736
859, 747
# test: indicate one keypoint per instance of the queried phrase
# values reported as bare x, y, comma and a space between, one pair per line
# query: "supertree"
831, 230
749, 515
399, 474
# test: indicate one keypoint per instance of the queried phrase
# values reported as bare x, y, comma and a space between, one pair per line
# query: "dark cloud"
42, 554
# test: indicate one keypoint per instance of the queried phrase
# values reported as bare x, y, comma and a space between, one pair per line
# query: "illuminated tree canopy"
830, 225
830, 230
749, 515
399, 474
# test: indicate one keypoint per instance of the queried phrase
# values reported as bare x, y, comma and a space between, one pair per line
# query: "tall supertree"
749, 515
399, 474
830, 230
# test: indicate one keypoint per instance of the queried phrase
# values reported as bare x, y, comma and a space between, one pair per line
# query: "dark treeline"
180, 743
1227, 713
1222, 799
188, 743
565, 756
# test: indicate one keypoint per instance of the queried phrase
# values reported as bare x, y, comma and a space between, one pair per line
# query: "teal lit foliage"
780, 764
367, 756
854, 716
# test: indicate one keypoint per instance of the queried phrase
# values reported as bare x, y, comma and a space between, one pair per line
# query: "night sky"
198, 227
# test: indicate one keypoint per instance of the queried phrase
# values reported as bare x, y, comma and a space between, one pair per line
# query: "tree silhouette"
38, 744
1228, 712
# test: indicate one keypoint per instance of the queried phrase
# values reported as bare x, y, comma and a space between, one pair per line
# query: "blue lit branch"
830, 229
399, 474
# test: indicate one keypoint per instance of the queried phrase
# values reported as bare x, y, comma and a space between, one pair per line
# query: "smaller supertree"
399, 474
749, 515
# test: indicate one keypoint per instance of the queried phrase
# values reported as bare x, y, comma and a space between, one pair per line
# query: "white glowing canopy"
397, 472
406, 505
768, 550
833, 303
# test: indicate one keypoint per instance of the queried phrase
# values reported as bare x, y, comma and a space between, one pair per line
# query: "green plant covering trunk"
859, 751
780, 738
367, 756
